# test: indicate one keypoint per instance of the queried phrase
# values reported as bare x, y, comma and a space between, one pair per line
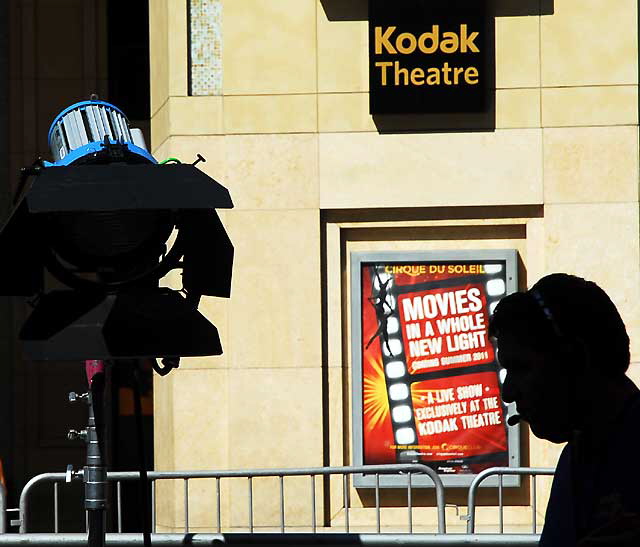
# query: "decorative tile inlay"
206, 47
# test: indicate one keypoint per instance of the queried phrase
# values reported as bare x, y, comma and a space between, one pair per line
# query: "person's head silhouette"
566, 350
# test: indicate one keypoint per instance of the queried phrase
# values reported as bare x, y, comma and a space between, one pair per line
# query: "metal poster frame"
507, 257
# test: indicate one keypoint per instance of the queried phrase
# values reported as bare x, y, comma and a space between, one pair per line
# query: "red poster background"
376, 427
378, 433
471, 438
421, 357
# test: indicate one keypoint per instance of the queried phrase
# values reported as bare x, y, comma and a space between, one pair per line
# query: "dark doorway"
128, 53
52, 54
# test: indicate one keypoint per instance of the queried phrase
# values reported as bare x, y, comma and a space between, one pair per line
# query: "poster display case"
425, 375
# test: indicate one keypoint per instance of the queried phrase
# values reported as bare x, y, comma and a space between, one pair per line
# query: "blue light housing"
82, 131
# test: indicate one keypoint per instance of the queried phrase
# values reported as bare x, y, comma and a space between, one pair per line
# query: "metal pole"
281, 504
186, 506
409, 504
250, 506
119, 504
500, 503
218, 519
95, 477
3, 509
55, 507
378, 502
144, 479
153, 507
345, 489
533, 478
313, 503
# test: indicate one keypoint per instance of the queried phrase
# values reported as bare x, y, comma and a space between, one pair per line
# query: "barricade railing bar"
303, 540
532, 472
311, 472
3, 509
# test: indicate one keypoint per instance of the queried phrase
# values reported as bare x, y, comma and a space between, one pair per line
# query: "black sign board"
428, 56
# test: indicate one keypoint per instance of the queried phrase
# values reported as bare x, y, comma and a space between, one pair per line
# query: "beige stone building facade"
284, 124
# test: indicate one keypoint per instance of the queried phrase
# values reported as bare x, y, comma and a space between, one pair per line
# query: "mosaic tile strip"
206, 46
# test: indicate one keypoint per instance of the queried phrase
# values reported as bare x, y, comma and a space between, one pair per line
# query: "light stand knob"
73, 396
74, 435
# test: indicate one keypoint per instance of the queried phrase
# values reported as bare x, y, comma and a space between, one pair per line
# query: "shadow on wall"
358, 10
484, 121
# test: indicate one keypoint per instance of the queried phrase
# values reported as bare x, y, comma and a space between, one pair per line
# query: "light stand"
95, 476
95, 436
98, 220
144, 481
95, 472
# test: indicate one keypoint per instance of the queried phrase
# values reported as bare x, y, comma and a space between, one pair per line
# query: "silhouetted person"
379, 302
566, 351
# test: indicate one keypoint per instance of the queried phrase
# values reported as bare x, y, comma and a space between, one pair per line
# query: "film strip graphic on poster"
428, 388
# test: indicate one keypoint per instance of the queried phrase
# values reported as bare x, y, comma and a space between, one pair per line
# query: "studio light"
98, 219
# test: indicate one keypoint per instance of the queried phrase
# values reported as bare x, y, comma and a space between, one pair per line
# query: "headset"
568, 345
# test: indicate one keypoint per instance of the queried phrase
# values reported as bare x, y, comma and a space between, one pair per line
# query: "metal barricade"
269, 540
533, 472
311, 472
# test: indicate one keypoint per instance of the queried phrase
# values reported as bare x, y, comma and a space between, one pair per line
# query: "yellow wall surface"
313, 178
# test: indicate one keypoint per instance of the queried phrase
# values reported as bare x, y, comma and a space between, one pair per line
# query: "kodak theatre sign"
427, 56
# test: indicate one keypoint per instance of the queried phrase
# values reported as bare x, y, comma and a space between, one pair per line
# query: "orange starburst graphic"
375, 402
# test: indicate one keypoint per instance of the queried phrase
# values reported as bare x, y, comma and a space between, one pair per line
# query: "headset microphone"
513, 419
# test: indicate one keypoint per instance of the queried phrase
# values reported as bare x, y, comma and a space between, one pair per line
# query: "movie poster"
430, 380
